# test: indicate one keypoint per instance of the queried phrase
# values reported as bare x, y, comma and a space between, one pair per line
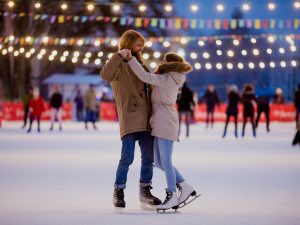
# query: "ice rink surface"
66, 178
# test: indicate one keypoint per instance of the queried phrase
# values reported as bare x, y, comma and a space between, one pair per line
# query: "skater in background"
296, 140
36, 107
90, 104
79, 105
186, 106
133, 103
25, 100
278, 98
169, 77
232, 109
211, 99
249, 100
297, 104
56, 101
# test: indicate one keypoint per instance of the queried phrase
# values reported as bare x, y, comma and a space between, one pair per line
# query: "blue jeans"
127, 155
90, 115
163, 160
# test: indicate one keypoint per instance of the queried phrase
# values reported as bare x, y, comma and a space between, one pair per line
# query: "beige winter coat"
90, 100
133, 108
164, 119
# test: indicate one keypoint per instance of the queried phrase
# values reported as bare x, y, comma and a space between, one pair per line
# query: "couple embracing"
146, 110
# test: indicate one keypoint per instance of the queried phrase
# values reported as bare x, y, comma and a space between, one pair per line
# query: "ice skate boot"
187, 194
171, 202
147, 200
118, 200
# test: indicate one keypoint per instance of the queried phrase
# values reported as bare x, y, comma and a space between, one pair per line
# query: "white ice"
66, 178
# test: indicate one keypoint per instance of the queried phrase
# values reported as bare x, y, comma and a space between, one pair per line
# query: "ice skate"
147, 200
170, 203
187, 194
118, 200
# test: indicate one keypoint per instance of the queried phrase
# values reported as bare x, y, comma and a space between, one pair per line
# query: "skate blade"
119, 210
167, 211
189, 200
148, 207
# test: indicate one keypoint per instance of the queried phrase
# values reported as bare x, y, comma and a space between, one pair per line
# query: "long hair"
128, 39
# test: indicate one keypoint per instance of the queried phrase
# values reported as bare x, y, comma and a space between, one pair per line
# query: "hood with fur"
178, 67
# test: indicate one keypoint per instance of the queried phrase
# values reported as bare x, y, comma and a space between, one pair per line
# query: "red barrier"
14, 111
108, 112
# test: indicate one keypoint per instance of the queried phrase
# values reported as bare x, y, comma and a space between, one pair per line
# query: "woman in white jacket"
166, 82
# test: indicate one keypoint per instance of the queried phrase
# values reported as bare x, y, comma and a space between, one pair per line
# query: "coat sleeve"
147, 77
109, 70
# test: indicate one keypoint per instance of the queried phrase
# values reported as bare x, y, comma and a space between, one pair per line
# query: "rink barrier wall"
12, 111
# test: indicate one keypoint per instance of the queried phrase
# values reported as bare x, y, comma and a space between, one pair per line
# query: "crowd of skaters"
86, 108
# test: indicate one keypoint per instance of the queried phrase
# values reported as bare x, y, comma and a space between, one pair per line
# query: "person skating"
36, 107
25, 100
185, 107
296, 140
297, 104
133, 104
211, 99
249, 99
56, 107
232, 109
169, 77
90, 104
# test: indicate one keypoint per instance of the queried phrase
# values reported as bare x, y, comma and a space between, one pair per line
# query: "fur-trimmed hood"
178, 67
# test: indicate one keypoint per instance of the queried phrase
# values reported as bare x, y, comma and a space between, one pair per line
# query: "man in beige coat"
134, 109
90, 104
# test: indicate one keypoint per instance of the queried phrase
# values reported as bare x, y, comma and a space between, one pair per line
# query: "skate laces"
179, 189
169, 195
147, 192
119, 193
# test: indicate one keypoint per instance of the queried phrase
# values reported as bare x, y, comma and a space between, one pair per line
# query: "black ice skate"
187, 194
147, 200
118, 200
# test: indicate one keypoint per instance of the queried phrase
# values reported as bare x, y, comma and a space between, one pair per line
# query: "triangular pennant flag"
193, 23
177, 23
130, 21
296, 23
107, 19
84, 19
36, 17
233, 24
170, 23
22, 14
162, 23
272, 23
146, 22
217, 24
185, 23
44, 17
138, 22
241, 23
61, 19
123, 21
257, 24
201, 24
249, 23
76, 18
288, 24
265, 24
52, 19
114, 19
153, 22
225, 24
209, 24
281, 24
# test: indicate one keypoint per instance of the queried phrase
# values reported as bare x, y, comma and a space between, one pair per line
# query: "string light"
240, 65
262, 65
253, 40
219, 66
116, 7
114, 42
272, 64
149, 44
271, 6
97, 43
11, 38
168, 8
283, 64
90, 7
146, 56
281, 50
63, 59
246, 7
294, 63
205, 55
11, 4
297, 5
194, 8
88, 55
208, 66
109, 55
197, 66
37, 5
4, 52
230, 53
22, 50
193, 55
153, 65
269, 51
142, 8
219, 52
10, 49
16, 53
251, 65
218, 42
74, 60
201, 43
166, 44
220, 7
97, 61
229, 66
293, 48
66, 53
255, 52
156, 55
64, 6
100, 54
45, 39
76, 54
236, 42
28, 55
271, 39
86, 61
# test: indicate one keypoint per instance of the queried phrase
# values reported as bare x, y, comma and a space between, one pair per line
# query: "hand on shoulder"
125, 54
